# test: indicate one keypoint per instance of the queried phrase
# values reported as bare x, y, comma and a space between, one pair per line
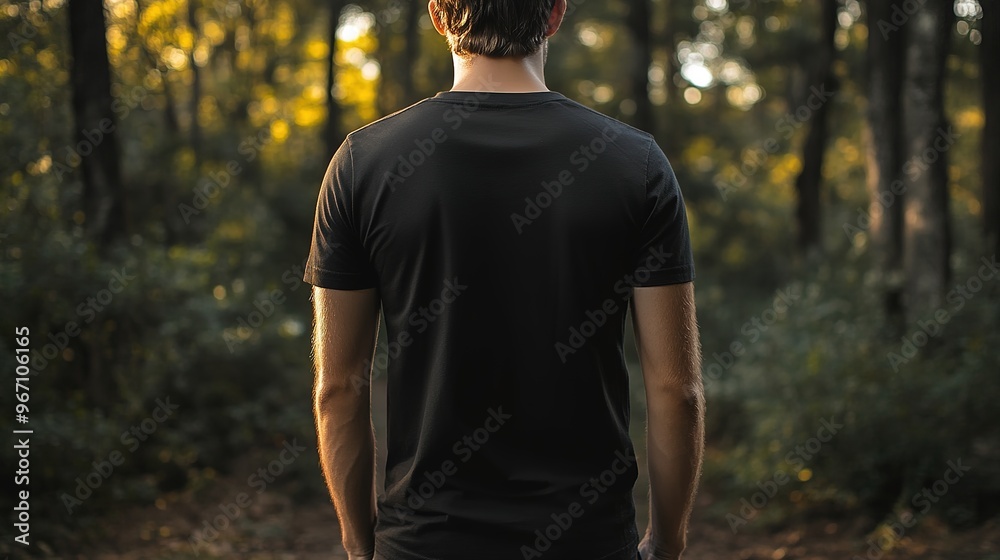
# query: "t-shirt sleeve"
337, 258
664, 254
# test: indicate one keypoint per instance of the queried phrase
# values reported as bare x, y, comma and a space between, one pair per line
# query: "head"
497, 28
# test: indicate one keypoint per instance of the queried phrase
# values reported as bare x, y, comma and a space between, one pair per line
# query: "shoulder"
596, 119
391, 124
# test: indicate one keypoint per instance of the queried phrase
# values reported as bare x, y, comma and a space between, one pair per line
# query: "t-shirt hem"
322, 278
679, 275
632, 545
397, 553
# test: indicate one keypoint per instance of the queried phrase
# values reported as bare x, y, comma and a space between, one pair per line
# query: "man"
504, 230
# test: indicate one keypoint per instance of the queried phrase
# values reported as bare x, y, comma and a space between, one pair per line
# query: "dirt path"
273, 527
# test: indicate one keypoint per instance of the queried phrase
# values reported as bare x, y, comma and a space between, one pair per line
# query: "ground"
273, 527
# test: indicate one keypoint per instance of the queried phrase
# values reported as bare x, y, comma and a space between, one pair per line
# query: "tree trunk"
927, 237
95, 140
169, 112
670, 67
332, 133
195, 88
638, 22
989, 51
412, 53
821, 82
884, 154
383, 53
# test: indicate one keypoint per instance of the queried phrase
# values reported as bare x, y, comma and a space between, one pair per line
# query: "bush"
912, 403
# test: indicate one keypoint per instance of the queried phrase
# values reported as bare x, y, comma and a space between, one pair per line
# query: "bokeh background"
841, 163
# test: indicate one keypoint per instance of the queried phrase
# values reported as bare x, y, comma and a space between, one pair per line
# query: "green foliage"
162, 336
830, 356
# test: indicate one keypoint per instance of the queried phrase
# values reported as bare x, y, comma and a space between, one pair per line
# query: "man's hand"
341, 553
646, 552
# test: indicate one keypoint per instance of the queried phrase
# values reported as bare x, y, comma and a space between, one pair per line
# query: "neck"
500, 75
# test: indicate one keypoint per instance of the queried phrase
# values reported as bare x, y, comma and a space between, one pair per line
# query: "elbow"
693, 396
688, 388
688, 395
327, 392
341, 379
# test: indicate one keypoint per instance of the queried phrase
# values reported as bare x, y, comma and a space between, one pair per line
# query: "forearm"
347, 455
675, 439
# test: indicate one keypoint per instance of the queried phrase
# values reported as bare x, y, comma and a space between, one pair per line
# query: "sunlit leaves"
355, 23
596, 35
704, 63
357, 70
174, 57
280, 27
279, 130
316, 49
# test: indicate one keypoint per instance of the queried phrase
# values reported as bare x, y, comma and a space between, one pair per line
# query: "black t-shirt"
504, 232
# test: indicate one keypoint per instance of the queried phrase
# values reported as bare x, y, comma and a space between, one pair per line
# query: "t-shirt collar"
495, 98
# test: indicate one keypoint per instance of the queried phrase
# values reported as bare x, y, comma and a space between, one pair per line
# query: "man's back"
504, 232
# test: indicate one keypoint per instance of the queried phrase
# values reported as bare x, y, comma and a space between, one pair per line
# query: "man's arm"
346, 329
666, 332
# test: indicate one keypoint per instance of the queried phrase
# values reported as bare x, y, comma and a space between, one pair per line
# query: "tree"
638, 23
927, 234
883, 152
809, 180
95, 140
989, 51
332, 133
398, 53
192, 21
411, 54
164, 186
669, 46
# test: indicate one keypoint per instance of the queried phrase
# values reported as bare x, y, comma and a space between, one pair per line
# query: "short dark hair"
495, 28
